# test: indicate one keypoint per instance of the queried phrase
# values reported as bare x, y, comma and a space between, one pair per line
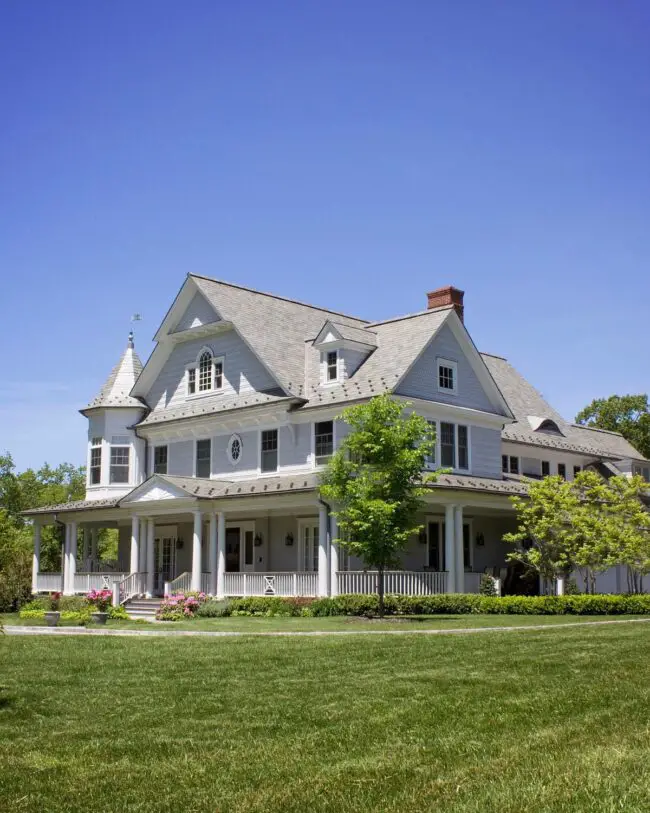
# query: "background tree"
627, 414
375, 480
19, 492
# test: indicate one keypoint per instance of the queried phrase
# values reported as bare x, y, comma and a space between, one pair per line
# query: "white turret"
116, 456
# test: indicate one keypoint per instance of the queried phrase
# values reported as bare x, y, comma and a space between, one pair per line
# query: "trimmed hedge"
443, 604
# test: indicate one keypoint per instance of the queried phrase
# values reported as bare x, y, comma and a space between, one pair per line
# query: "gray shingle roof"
116, 389
73, 505
212, 405
355, 334
525, 401
274, 328
400, 341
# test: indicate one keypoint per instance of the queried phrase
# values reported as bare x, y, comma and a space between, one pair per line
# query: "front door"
240, 548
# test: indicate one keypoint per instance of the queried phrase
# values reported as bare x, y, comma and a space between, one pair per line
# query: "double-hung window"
95, 461
269, 450
447, 376
576, 470
454, 446
323, 441
332, 366
510, 464
160, 459
546, 468
561, 470
120, 457
203, 452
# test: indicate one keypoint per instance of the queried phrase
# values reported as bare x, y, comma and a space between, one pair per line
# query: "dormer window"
447, 376
206, 375
332, 372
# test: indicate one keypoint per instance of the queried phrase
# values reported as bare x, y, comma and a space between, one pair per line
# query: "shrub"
213, 609
180, 606
31, 612
100, 600
487, 586
117, 612
73, 604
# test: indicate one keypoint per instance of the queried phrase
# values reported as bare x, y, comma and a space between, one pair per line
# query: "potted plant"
100, 600
53, 615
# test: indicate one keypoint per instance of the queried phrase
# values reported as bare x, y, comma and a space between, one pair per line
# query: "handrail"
133, 585
181, 584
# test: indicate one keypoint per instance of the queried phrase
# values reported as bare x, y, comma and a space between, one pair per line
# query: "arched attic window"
206, 375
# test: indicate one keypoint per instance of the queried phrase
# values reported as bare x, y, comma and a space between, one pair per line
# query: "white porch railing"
271, 584
181, 584
405, 582
133, 585
48, 582
84, 582
205, 582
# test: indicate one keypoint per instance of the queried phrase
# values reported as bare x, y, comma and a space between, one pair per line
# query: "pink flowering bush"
99, 600
180, 606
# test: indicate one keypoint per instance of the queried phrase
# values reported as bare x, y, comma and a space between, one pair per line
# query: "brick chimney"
446, 297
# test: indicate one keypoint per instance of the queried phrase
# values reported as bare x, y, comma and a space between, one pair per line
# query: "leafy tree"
374, 481
589, 524
19, 492
627, 414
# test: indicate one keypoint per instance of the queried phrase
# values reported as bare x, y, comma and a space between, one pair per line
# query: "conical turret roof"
115, 392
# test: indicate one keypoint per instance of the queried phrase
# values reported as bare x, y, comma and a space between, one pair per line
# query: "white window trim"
509, 468
455, 468
324, 366
231, 460
131, 449
195, 366
92, 446
194, 462
259, 451
442, 362
314, 464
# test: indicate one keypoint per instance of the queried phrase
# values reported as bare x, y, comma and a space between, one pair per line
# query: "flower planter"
52, 618
99, 618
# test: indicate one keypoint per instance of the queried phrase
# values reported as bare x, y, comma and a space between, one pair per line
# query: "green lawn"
554, 720
337, 623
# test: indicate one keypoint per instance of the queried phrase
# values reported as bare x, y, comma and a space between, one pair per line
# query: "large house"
207, 458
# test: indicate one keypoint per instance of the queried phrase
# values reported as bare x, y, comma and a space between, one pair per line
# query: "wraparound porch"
270, 544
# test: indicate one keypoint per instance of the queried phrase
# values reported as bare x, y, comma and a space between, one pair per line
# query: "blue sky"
351, 154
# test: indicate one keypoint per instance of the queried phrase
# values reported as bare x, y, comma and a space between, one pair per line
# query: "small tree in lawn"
375, 481
545, 537
630, 526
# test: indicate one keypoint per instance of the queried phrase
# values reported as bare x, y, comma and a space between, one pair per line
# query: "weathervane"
136, 317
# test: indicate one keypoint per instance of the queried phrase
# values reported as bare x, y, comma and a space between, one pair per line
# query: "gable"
421, 381
243, 373
155, 488
199, 312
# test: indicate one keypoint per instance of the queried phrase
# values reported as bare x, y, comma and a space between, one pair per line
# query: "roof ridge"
365, 327
410, 316
278, 296
494, 356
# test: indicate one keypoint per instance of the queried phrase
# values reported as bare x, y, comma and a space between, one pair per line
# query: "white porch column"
64, 559
86, 548
94, 533
459, 558
142, 560
221, 555
36, 557
213, 553
334, 557
72, 557
195, 584
135, 544
150, 563
323, 553
450, 548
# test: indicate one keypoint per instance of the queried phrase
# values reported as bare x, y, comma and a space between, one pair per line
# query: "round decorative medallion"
235, 449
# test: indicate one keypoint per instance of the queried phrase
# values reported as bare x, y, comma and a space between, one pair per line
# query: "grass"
544, 721
338, 623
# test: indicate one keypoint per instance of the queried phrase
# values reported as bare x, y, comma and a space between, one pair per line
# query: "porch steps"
143, 608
